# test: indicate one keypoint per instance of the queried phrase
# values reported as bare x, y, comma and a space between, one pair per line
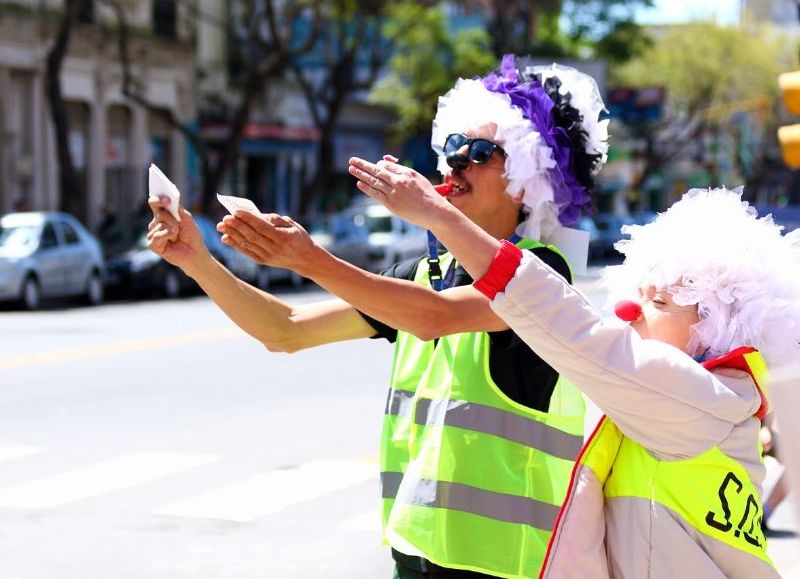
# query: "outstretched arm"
279, 326
401, 304
656, 393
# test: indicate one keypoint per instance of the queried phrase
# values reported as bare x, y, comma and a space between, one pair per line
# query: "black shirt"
515, 368
519, 373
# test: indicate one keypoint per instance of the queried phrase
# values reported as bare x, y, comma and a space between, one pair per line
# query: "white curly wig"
711, 249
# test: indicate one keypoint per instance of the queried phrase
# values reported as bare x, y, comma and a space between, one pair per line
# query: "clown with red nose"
707, 298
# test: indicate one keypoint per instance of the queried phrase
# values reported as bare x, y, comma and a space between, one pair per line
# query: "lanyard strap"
435, 270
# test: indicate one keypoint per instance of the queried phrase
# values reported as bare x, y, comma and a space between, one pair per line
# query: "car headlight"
142, 260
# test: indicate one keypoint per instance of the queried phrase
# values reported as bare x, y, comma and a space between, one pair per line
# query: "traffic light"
789, 137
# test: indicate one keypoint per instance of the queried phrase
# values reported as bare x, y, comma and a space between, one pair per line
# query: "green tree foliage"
568, 28
426, 62
720, 81
705, 65
603, 28
429, 55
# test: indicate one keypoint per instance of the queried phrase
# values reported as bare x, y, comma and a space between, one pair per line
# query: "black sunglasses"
479, 150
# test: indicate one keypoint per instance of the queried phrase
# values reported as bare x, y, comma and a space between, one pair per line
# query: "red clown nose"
628, 311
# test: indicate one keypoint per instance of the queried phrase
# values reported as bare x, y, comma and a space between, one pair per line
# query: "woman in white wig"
669, 484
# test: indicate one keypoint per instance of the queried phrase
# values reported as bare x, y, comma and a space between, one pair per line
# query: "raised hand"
178, 242
402, 190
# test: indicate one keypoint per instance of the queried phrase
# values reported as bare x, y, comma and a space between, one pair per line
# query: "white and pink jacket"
659, 397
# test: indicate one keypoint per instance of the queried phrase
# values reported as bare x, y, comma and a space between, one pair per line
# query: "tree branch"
71, 188
129, 88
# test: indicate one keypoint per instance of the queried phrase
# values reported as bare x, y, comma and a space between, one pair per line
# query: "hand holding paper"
161, 186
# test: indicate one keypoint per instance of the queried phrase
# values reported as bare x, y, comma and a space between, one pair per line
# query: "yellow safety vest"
471, 479
711, 492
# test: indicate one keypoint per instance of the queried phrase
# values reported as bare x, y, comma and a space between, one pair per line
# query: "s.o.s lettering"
737, 506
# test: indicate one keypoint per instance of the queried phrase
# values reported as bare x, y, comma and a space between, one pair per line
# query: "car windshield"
18, 237
124, 237
382, 224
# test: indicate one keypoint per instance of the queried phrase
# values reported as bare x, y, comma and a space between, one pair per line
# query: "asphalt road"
155, 440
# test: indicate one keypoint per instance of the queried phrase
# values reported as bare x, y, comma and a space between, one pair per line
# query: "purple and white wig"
548, 122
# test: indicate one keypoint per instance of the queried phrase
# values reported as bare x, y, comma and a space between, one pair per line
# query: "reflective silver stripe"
480, 418
399, 403
469, 499
390, 483
486, 419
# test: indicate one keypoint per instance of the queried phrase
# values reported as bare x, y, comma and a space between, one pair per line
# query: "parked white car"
370, 236
48, 255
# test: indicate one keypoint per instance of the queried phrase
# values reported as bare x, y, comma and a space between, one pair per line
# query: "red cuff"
503, 267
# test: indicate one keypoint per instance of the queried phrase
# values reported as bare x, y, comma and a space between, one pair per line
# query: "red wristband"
500, 272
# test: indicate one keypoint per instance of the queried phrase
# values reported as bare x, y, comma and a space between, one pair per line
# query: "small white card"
232, 203
160, 186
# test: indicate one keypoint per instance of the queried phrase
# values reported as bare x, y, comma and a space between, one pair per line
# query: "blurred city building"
280, 149
188, 61
111, 139
782, 13
277, 149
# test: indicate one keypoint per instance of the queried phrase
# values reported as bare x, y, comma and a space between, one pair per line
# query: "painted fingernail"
390, 158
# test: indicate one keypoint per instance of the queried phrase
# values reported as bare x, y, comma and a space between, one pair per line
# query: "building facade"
281, 145
784, 14
111, 139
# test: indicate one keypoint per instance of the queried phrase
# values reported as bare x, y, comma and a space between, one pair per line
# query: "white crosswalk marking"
272, 491
90, 481
13, 452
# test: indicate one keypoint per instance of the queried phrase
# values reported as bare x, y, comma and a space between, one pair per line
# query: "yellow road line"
116, 348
